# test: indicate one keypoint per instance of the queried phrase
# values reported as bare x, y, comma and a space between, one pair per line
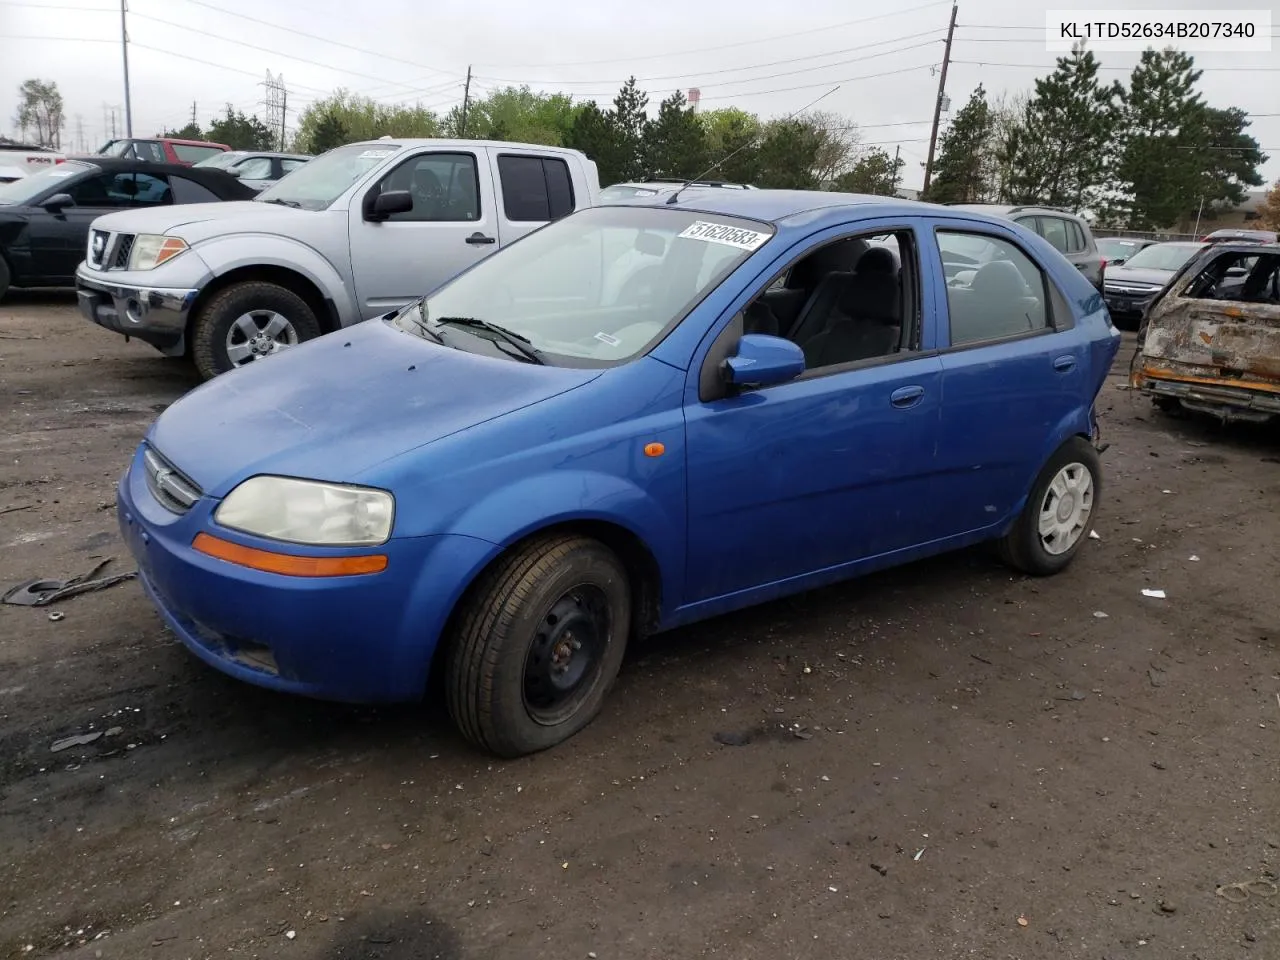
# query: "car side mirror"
762, 361
1117, 262
57, 202
233, 172
388, 203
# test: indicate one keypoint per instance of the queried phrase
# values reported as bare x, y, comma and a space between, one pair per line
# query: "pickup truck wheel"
1059, 513
248, 322
4, 277
538, 645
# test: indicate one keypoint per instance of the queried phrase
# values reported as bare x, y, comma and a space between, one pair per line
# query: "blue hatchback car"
636, 417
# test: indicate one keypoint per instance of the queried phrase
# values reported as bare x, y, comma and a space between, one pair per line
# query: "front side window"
592, 289
122, 190
535, 188
1239, 277
445, 188
1004, 297
322, 181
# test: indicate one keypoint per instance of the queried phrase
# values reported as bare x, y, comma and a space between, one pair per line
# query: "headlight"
308, 511
150, 250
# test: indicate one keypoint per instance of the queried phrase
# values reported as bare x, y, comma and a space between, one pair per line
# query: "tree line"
1152, 154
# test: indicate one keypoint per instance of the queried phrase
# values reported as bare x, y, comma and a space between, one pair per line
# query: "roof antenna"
723, 160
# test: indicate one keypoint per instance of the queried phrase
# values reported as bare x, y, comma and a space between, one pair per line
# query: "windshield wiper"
419, 322
284, 203
521, 343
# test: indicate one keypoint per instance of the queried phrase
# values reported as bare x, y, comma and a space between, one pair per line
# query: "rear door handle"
1065, 363
478, 238
905, 397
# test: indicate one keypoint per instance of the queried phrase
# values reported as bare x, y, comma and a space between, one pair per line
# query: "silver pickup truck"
357, 232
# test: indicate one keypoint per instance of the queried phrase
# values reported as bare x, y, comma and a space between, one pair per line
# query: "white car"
18, 160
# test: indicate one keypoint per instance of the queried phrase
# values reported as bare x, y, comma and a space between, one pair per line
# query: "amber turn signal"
287, 564
654, 449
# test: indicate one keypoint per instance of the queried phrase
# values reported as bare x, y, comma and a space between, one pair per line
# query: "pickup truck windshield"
323, 180
593, 289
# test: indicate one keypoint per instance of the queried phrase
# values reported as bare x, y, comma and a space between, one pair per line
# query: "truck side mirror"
386, 204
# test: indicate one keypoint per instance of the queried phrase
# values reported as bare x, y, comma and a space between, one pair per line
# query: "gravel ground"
987, 766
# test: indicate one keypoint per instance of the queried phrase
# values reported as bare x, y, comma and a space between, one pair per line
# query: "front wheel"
248, 322
1059, 513
539, 643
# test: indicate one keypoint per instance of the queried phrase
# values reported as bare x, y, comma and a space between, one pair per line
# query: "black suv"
1068, 233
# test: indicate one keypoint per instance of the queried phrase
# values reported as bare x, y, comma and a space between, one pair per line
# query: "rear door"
1012, 374
453, 224
533, 189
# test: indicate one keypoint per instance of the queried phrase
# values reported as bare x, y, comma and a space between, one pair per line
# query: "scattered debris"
40, 593
919, 854
1193, 558
981, 659
1101, 615
56, 616
1093, 535
291, 934
79, 740
1167, 907
1159, 766
734, 738
1023, 921
29, 506
883, 871
1156, 676
1154, 594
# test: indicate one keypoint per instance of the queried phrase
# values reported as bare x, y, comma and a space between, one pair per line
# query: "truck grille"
174, 491
124, 246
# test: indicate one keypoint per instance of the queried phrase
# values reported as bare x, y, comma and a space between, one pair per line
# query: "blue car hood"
338, 405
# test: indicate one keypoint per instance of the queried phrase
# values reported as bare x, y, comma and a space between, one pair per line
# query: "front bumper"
356, 639
155, 315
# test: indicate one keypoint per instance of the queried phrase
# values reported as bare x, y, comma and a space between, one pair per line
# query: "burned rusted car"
1210, 340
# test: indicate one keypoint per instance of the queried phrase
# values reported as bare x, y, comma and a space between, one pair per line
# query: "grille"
174, 491
124, 246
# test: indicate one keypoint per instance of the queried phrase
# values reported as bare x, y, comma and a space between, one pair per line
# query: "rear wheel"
538, 645
248, 322
1059, 513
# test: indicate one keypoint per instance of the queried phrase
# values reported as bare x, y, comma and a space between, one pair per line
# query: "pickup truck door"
452, 225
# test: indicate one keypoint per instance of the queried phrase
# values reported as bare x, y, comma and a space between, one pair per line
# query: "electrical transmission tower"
276, 103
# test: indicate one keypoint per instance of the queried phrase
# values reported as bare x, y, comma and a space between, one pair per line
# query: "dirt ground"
986, 766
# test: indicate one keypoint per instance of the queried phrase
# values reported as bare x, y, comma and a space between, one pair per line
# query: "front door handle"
905, 397
1064, 363
478, 238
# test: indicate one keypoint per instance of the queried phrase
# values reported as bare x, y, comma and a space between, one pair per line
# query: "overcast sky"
770, 58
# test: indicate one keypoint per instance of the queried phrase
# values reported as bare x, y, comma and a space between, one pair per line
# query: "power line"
752, 66
821, 83
58, 6
742, 43
302, 33
1040, 66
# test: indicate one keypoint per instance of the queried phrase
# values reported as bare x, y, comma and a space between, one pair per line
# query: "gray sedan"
256, 169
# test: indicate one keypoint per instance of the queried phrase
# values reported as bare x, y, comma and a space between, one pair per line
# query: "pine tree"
1158, 171
628, 119
1228, 159
675, 144
962, 169
875, 172
732, 136
329, 132
1065, 147
788, 155
593, 134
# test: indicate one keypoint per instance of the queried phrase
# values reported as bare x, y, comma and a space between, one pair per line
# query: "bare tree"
40, 109
838, 141
1006, 120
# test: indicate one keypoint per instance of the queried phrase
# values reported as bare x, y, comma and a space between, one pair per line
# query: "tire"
1024, 548
5, 277
222, 326
512, 645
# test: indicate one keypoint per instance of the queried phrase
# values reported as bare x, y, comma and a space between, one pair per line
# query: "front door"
833, 467
452, 225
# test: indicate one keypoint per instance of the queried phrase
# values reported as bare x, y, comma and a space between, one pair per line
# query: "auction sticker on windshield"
723, 233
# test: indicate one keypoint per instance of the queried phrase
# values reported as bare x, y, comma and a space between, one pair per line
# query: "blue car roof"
777, 206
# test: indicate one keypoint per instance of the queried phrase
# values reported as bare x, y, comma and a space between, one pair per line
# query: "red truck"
163, 150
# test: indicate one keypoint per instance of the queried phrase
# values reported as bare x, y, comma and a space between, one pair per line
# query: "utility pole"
466, 104
193, 113
284, 111
937, 106
80, 147
897, 165
124, 48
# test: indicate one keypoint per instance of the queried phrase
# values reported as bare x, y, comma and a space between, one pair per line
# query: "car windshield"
593, 289
1163, 256
1112, 249
26, 189
319, 182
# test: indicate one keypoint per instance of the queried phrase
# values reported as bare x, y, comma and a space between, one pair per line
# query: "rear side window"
535, 189
188, 191
189, 154
1004, 296
1076, 242
1054, 229
1239, 277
